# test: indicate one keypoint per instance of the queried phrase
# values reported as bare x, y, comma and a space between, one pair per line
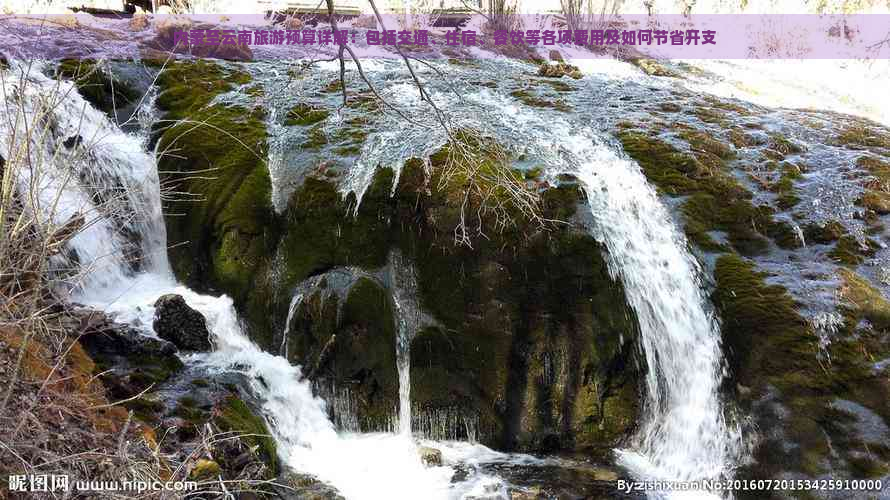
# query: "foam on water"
360, 466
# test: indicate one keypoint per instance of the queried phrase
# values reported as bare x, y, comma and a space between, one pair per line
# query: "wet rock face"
527, 348
102, 336
130, 361
529, 341
804, 318
178, 323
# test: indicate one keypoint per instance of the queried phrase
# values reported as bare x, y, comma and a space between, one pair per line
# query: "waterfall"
684, 435
404, 288
295, 302
69, 180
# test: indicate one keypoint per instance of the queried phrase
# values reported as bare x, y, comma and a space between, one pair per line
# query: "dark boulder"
130, 362
102, 337
177, 322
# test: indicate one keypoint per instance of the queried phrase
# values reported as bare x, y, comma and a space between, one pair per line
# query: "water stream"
119, 262
365, 466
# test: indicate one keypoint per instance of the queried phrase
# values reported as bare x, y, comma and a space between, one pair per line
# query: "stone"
533, 493
430, 457
555, 56
652, 67
139, 22
102, 336
177, 322
166, 27
559, 70
205, 469
293, 23
876, 200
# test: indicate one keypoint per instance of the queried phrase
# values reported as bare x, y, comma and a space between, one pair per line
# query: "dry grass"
55, 417
491, 194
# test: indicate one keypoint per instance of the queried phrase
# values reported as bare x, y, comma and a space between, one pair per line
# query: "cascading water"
684, 435
369, 466
404, 286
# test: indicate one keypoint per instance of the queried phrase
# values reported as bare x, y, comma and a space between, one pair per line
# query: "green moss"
304, 114
879, 169
741, 139
153, 370
826, 233
625, 124
533, 173
727, 106
529, 99
316, 138
558, 85
771, 348
672, 171
221, 226
235, 416
737, 217
848, 250
145, 408
859, 135
718, 202
351, 345
783, 147
864, 301
333, 86
98, 86
877, 201
753, 312
784, 187
709, 115
705, 143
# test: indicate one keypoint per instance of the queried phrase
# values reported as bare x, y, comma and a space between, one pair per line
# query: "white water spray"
684, 435
367, 467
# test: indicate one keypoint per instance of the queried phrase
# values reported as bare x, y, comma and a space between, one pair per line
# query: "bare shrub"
475, 173
589, 14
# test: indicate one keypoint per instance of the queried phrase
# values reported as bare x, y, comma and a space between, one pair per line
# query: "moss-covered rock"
558, 70
97, 85
527, 97
851, 251
864, 301
351, 347
492, 357
221, 226
304, 114
233, 415
510, 306
875, 200
791, 385
718, 202
653, 68
863, 134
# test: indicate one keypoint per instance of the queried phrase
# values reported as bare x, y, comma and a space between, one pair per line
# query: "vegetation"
717, 201
61, 411
97, 85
